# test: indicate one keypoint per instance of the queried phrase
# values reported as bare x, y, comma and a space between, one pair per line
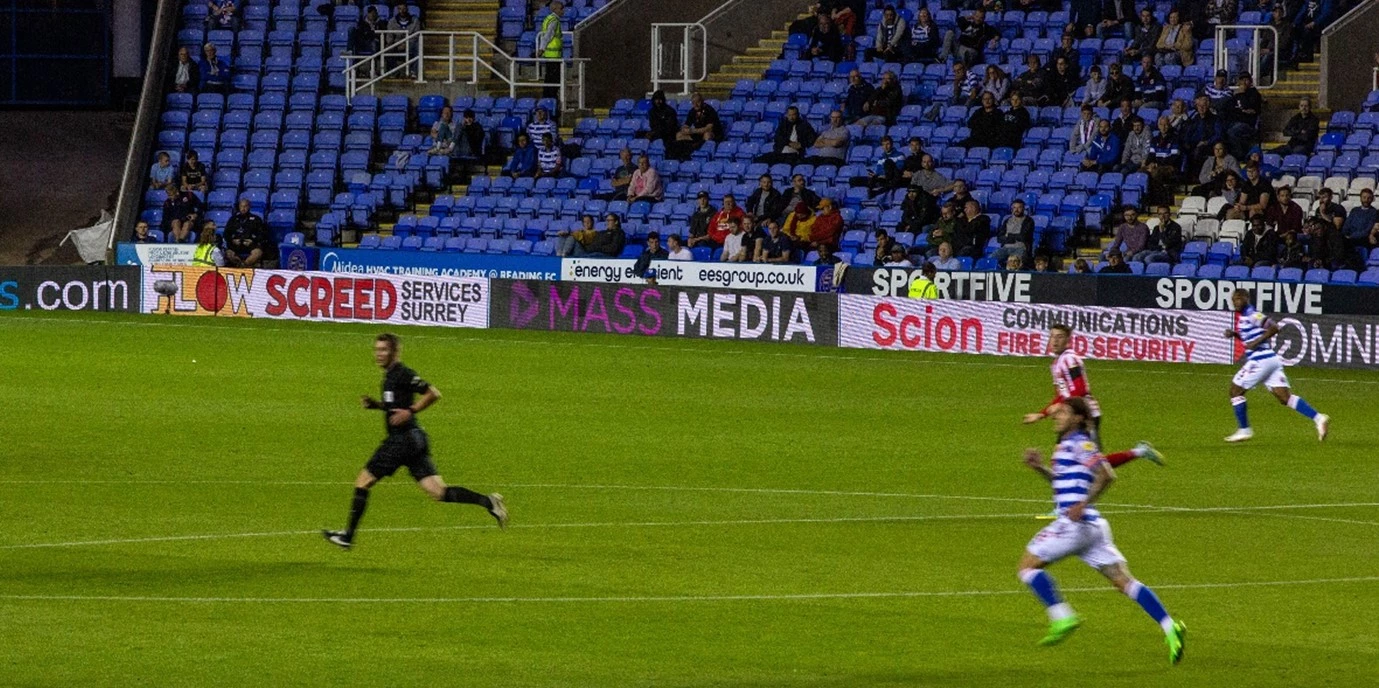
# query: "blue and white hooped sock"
1242, 416
1300, 405
1150, 603
1044, 588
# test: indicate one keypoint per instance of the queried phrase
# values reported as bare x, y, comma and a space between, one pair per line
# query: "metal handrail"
1221, 58
409, 50
658, 56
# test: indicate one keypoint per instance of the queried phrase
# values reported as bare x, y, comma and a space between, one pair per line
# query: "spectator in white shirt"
945, 259
677, 250
734, 245
898, 259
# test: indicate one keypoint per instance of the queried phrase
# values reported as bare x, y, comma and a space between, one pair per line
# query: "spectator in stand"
1119, 87
972, 231
1124, 117
1104, 152
1084, 131
1144, 37
797, 193
162, 173
1312, 18
944, 229
1117, 19
676, 250
1200, 133
364, 35
858, 99
193, 175
844, 17
766, 201
1360, 220
1062, 82
1151, 88
1256, 193
973, 37
1081, 267
884, 173
1302, 130
828, 227
701, 124
1176, 44
1231, 193
1327, 245
222, 15
469, 141
882, 251
1283, 24
799, 226
1132, 236
825, 42
1212, 175
141, 235
1067, 49
1218, 13
918, 211
1372, 240
1177, 115
926, 39
1266, 170
1242, 113
1292, 253
886, 102
1327, 209
1218, 92
1284, 213
247, 240
793, 137
1031, 84
523, 160
831, 145
186, 74
1135, 152
215, 71
944, 259
890, 37
646, 183
1163, 160
1115, 264
996, 83
967, 88
960, 194
827, 257
663, 124
652, 251
735, 244
576, 243
897, 258
722, 223
620, 177
1012, 263
1094, 91
930, 179
611, 241
1165, 240
182, 215
549, 161
443, 133
704, 212
1260, 246
1016, 236
404, 21
914, 159
985, 123
773, 246
541, 124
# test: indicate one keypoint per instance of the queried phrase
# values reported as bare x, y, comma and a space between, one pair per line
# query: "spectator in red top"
723, 221
828, 226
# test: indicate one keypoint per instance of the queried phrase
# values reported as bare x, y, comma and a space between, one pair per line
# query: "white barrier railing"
1254, 56
673, 48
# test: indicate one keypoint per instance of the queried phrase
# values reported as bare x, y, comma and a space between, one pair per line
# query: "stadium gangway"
1254, 59
407, 54
673, 52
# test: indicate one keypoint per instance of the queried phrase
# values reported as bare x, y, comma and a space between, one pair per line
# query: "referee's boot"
337, 538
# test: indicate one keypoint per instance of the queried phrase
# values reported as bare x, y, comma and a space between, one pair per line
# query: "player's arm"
370, 403
423, 402
1270, 329
1035, 461
1044, 412
1105, 475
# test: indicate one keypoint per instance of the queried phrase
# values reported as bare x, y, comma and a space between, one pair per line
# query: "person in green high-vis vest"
550, 45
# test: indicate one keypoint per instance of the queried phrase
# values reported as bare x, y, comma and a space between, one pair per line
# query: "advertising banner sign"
676, 273
657, 310
288, 295
154, 254
69, 288
1328, 341
430, 263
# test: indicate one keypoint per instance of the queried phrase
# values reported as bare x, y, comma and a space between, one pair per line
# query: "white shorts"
1267, 370
1091, 542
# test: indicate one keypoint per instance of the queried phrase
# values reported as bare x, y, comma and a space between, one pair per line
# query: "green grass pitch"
685, 513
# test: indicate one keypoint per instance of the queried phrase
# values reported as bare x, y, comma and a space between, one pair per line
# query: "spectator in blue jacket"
215, 71
858, 98
1104, 153
1313, 16
523, 160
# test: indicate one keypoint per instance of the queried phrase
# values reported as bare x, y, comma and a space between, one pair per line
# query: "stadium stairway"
749, 65
479, 16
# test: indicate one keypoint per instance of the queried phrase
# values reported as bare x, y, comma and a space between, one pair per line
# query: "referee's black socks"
463, 496
361, 501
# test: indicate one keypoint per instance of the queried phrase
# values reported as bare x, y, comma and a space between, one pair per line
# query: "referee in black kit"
406, 443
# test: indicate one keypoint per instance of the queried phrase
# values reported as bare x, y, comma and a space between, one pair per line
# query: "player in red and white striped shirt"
1070, 380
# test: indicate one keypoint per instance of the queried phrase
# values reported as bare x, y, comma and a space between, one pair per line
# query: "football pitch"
684, 513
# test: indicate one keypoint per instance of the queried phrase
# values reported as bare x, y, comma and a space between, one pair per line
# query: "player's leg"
1103, 556
1278, 385
1247, 377
1056, 541
360, 502
1142, 450
423, 470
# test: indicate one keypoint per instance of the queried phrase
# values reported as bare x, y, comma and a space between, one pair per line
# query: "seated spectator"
1164, 155
766, 201
797, 194
800, 225
1119, 87
1062, 82
1115, 265
523, 160
1302, 130
1081, 267
1326, 209
972, 231
1177, 114
549, 160
735, 244
885, 103
1117, 19
162, 173
828, 227
973, 37
944, 228
831, 146
663, 124
676, 250
918, 211
186, 74
825, 42
1084, 131
930, 179
1104, 152
364, 35
1015, 236
1143, 37
914, 159
1256, 192
722, 223
1214, 13
882, 251
1031, 83
889, 41
1135, 152
844, 18
611, 241
699, 221
926, 39
857, 101
193, 175
1234, 196
652, 251
1094, 90
620, 177
1166, 241
646, 183
793, 137
884, 172
1041, 264
967, 91
141, 235
1292, 253
1312, 18
1218, 92
1175, 45
943, 258
1360, 220
773, 246
1283, 24
1284, 213
1327, 245
248, 242
1013, 263
897, 258
443, 133
222, 15
541, 124
1151, 88
469, 138
576, 243
1242, 117
1067, 48
985, 124
827, 257
182, 213
1211, 178
404, 21
1015, 121
1132, 236
996, 83
1123, 119
1260, 246
701, 124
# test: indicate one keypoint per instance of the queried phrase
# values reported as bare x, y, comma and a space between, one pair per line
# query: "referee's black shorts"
411, 449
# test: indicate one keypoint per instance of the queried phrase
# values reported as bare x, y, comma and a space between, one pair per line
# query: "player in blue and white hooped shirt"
1079, 475
1261, 364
